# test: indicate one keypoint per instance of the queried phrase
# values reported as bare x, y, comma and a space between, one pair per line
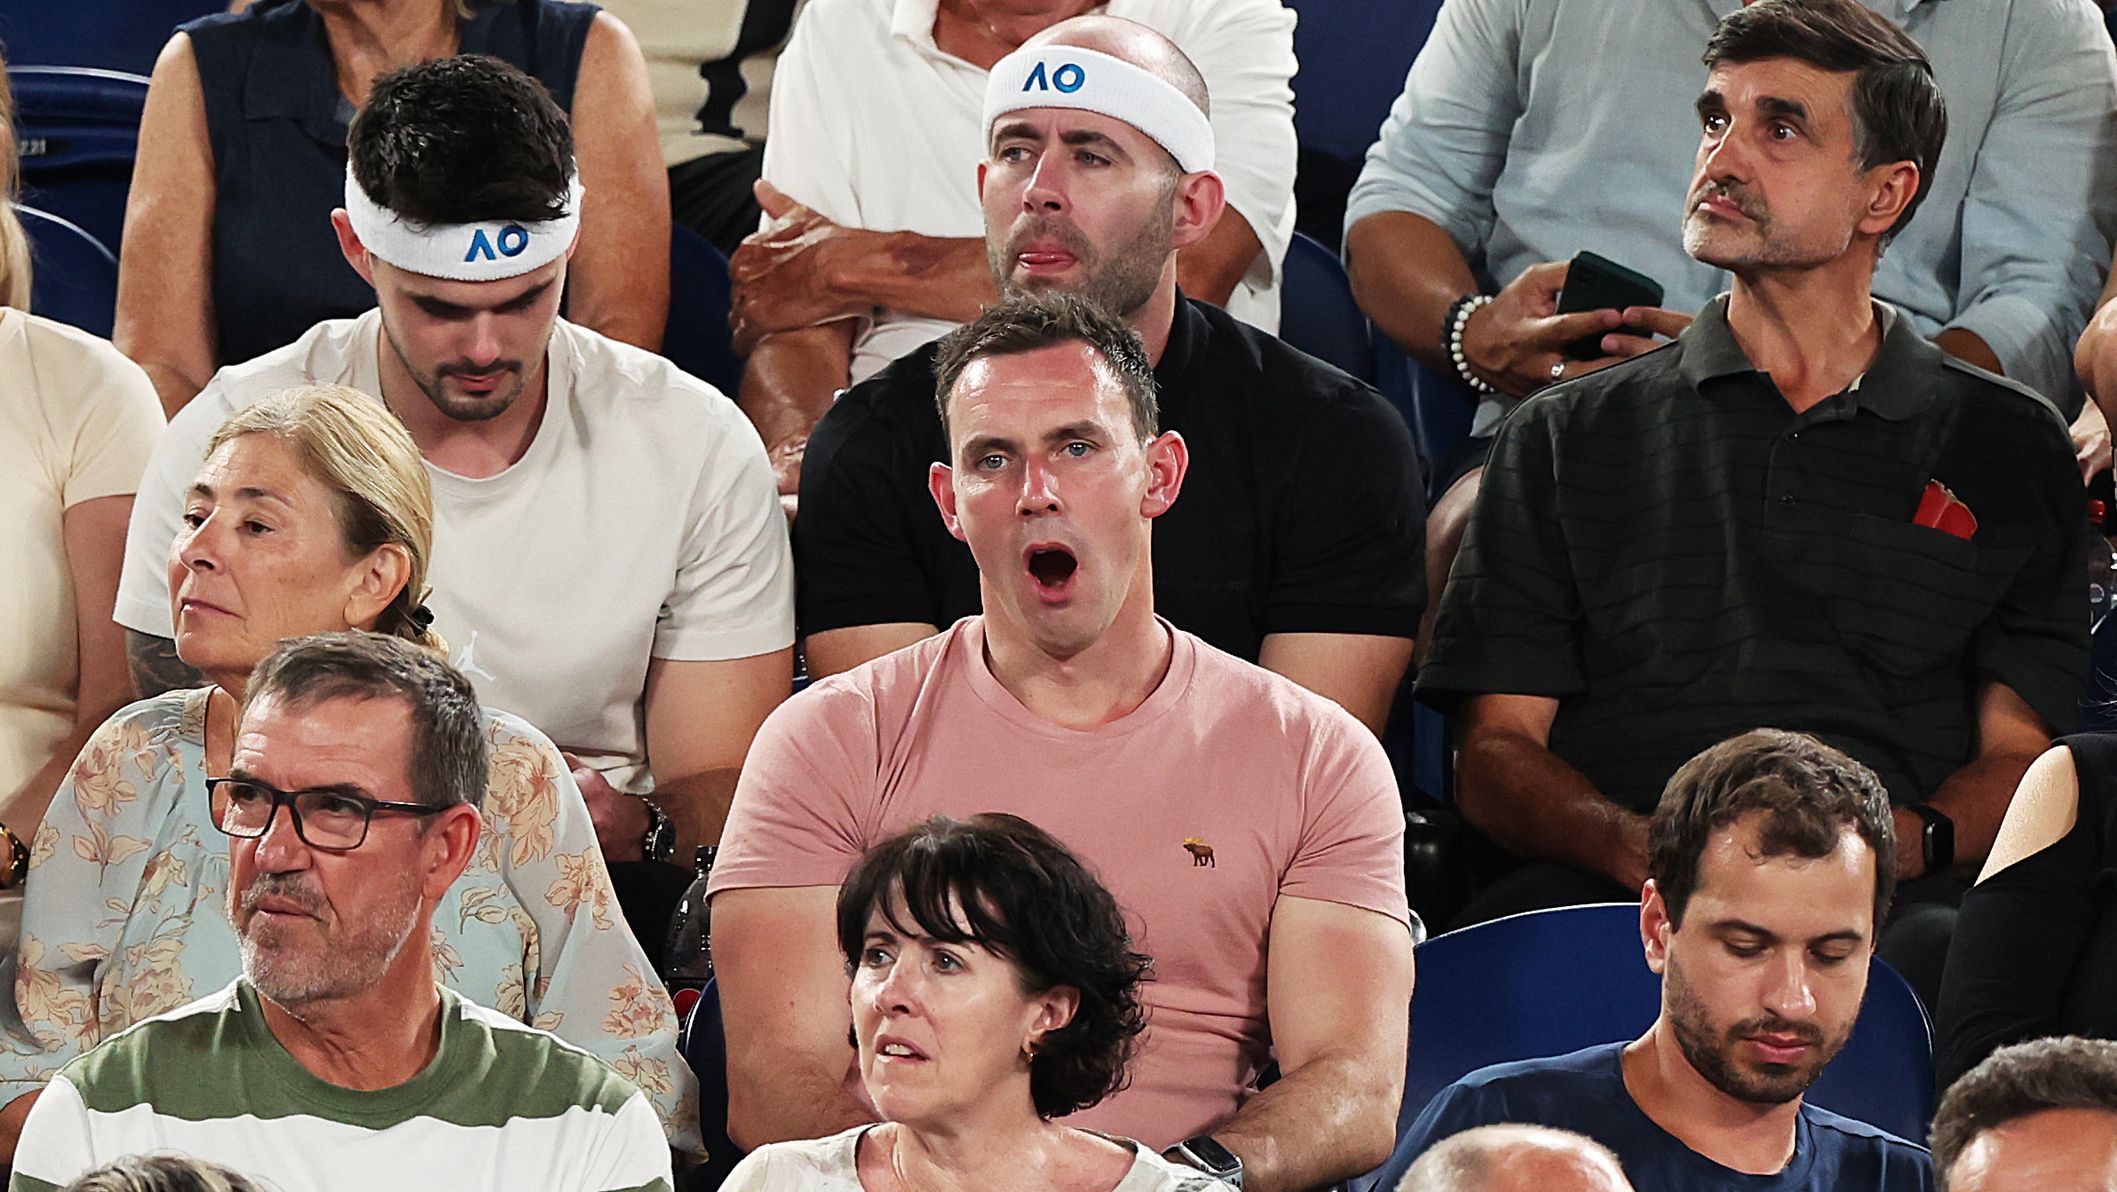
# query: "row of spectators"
1036, 562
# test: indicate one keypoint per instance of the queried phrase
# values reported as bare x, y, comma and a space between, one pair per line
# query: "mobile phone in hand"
1595, 282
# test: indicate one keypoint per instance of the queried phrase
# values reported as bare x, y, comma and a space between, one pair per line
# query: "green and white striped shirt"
502, 1106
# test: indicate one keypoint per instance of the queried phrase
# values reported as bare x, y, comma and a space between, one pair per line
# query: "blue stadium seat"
1439, 408
113, 34
1317, 313
79, 131
706, 1050
74, 278
1551, 982
1354, 55
696, 337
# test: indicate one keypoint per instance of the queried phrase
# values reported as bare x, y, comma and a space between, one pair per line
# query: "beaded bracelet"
1459, 313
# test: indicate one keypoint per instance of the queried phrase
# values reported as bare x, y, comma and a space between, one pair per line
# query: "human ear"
1055, 1008
1168, 461
377, 580
941, 483
1895, 185
350, 247
451, 839
1654, 926
1199, 200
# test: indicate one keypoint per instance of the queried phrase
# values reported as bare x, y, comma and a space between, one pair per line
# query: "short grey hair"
2017, 1082
449, 757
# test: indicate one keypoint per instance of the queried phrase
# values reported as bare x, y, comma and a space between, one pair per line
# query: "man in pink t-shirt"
1250, 828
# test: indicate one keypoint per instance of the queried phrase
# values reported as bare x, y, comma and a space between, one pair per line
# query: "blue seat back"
1317, 313
1551, 982
696, 337
1354, 55
74, 278
79, 132
705, 1048
1439, 408
113, 34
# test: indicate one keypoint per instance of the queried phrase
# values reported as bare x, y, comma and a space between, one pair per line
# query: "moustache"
305, 897
463, 368
1806, 1032
1744, 202
1040, 227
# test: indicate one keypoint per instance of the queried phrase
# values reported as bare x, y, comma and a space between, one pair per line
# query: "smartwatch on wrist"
1208, 1156
659, 844
1937, 842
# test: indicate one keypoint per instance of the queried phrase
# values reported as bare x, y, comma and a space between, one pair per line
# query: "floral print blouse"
125, 911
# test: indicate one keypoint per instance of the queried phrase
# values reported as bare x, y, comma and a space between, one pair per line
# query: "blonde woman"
311, 514
77, 423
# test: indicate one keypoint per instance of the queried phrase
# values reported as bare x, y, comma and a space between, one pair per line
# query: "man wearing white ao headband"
610, 561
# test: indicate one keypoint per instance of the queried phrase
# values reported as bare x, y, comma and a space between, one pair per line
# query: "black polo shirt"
1677, 556
1303, 511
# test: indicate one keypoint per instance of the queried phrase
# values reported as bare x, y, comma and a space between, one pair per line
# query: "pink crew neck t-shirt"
1290, 793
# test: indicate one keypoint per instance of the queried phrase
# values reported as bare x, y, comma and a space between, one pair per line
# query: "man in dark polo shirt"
1300, 538
1799, 515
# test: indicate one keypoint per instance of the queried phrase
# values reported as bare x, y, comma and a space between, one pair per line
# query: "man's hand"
2091, 441
620, 819
786, 456
1513, 341
786, 276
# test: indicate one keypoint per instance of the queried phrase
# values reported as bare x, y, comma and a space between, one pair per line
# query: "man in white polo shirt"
610, 562
876, 245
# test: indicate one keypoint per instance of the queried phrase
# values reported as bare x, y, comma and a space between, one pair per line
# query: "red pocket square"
1942, 510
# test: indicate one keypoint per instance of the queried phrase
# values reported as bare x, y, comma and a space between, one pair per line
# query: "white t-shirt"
875, 127
833, 1165
77, 421
641, 523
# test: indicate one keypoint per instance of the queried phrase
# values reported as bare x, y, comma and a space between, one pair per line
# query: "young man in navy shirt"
1771, 864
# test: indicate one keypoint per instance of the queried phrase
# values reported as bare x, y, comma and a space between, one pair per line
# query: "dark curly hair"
1023, 897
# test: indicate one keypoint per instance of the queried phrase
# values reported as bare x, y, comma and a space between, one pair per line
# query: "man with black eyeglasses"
337, 1060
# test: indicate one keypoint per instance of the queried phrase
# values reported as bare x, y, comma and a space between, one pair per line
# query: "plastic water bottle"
687, 962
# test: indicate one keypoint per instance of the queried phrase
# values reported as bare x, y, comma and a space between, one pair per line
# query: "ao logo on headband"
511, 241
1068, 78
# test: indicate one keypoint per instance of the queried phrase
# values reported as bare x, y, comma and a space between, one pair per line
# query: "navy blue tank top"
278, 127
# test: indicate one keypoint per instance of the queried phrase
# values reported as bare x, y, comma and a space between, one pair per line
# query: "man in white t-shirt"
610, 561
876, 240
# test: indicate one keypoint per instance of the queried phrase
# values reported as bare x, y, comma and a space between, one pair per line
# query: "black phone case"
1595, 282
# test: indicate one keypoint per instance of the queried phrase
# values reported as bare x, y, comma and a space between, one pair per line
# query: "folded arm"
1515, 790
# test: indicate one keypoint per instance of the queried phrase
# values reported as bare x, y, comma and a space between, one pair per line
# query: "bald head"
1511, 1158
1134, 43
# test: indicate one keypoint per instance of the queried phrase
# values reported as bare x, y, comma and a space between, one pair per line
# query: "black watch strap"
1937, 842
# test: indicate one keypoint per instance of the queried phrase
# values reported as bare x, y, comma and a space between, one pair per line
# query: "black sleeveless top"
278, 126
2035, 949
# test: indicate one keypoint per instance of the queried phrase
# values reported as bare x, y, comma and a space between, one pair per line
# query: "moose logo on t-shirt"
1201, 852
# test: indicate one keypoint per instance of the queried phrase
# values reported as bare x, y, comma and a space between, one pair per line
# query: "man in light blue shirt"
1530, 130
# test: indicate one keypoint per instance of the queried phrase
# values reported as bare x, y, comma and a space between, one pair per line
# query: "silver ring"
1558, 371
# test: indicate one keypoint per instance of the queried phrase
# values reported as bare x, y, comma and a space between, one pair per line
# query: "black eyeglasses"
327, 819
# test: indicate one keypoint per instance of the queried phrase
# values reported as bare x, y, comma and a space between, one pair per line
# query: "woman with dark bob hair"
994, 989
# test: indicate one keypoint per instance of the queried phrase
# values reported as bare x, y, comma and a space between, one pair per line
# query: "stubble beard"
335, 966
1711, 1052
1119, 282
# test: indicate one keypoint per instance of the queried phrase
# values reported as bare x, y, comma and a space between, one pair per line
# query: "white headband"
486, 251
1050, 76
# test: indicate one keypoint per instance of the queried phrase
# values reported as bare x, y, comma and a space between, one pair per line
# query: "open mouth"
1052, 567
